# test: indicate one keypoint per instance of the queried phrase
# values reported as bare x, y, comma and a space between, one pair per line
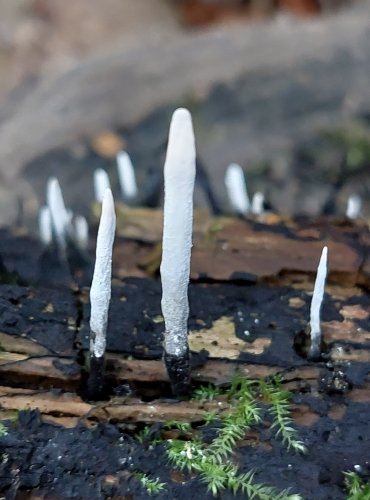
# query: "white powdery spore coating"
58, 212
317, 298
237, 189
100, 291
179, 177
126, 175
101, 184
45, 225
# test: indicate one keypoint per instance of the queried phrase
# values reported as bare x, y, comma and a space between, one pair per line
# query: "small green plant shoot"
213, 462
356, 487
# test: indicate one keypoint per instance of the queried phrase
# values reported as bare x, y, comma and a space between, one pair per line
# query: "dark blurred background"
280, 86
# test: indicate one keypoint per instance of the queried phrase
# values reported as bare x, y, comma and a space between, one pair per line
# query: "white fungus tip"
45, 225
101, 183
257, 203
181, 142
179, 177
59, 215
126, 175
100, 291
81, 231
354, 206
237, 189
317, 298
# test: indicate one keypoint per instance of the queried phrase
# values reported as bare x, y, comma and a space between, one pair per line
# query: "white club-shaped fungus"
126, 176
237, 189
59, 214
101, 183
317, 298
354, 206
257, 203
45, 226
179, 177
100, 291
81, 231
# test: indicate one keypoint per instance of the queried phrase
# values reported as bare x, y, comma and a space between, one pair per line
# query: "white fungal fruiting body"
317, 298
257, 203
100, 291
179, 177
101, 183
81, 232
58, 212
237, 189
354, 205
45, 225
126, 176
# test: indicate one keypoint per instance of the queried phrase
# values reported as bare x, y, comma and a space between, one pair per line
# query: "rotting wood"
263, 248
67, 409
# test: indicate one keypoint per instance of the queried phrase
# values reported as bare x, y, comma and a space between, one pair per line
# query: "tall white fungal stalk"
237, 189
317, 298
179, 177
126, 176
100, 292
354, 205
101, 183
60, 217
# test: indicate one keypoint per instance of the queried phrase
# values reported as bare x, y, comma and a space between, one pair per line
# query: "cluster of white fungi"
58, 224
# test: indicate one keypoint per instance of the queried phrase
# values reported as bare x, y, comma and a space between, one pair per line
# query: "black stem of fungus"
178, 369
95, 383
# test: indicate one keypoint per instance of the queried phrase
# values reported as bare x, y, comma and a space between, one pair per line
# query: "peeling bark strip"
179, 177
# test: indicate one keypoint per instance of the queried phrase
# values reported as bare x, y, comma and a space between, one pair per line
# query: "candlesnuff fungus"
100, 294
179, 177
45, 226
354, 205
59, 215
81, 231
126, 176
317, 298
237, 189
101, 183
257, 203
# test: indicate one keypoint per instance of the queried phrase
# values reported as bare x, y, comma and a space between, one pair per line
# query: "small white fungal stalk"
101, 183
100, 292
60, 217
237, 189
257, 203
45, 226
354, 206
81, 231
126, 176
179, 177
317, 298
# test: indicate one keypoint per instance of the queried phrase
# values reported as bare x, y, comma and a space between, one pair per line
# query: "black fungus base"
95, 382
178, 369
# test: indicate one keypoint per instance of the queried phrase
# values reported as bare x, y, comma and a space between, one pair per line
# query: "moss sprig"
152, 486
356, 487
3, 430
213, 462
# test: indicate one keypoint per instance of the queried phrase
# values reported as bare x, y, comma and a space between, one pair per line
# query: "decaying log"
270, 262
